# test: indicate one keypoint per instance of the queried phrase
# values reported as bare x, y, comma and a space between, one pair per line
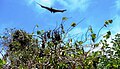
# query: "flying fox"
52, 10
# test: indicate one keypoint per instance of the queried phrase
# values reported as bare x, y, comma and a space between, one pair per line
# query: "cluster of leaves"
52, 50
2, 62
110, 55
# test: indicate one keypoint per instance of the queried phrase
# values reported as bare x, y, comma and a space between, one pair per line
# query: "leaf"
47, 51
38, 32
93, 37
80, 42
73, 24
110, 21
64, 18
42, 31
106, 22
2, 62
72, 55
96, 45
79, 67
90, 29
107, 36
109, 33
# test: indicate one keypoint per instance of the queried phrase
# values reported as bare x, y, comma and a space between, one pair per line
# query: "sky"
25, 14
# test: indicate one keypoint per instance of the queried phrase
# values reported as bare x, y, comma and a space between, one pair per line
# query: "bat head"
63, 10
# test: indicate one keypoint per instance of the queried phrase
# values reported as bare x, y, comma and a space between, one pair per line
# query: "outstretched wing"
51, 9
54, 10
45, 7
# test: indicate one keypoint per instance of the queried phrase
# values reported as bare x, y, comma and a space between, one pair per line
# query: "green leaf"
64, 18
47, 51
38, 32
106, 22
109, 33
80, 42
93, 37
2, 62
42, 31
96, 45
90, 29
72, 55
73, 24
110, 21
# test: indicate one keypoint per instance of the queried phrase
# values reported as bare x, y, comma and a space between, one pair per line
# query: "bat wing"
51, 9
54, 10
44, 7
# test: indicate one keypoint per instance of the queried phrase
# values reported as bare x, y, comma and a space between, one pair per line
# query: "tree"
53, 50
111, 59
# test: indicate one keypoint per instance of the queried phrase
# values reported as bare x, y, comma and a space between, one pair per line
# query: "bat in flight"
51, 9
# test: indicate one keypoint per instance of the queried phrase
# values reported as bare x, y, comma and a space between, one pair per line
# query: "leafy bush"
53, 50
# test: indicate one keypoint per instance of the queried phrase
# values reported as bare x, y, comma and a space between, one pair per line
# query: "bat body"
51, 9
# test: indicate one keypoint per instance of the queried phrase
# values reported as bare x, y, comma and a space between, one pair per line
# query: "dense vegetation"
52, 49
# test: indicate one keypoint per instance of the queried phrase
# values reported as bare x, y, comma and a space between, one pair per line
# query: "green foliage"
64, 18
53, 50
107, 35
108, 22
93, 37
73, 24
2, 62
